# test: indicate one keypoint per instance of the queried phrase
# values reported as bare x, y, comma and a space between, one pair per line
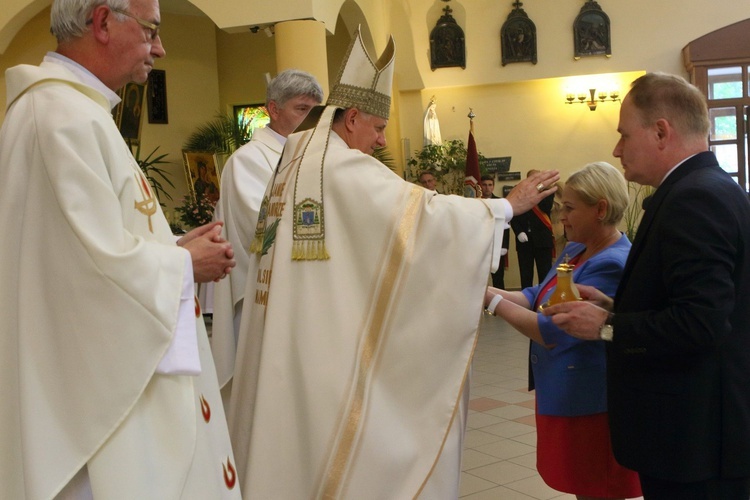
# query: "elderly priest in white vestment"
108, 385
362, 312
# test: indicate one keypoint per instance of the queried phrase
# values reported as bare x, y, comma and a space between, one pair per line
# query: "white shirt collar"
276, 135
86, 76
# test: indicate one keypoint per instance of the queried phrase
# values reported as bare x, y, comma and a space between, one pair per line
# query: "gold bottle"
565, 290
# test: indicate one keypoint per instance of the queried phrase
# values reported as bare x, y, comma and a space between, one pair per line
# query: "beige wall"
28, 47
244, 59
645, 35
192, 89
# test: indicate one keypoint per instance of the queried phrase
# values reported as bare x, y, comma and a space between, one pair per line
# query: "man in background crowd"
428, 180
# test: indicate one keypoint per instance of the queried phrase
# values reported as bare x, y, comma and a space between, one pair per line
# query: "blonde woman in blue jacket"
574, 454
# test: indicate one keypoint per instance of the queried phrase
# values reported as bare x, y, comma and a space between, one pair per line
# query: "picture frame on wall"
592, 32
129, 113
156, 96
202, 175
518, 37
447, 43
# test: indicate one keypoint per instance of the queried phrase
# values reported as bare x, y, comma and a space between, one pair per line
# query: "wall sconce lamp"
593, 98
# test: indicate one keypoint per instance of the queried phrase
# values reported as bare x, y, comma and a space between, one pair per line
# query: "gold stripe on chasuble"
353, 415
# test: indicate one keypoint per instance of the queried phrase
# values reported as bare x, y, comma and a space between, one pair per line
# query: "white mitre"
362, 83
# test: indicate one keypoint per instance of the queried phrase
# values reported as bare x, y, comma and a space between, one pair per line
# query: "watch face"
606, 333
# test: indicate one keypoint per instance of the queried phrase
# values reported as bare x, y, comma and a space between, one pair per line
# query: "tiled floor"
499, 461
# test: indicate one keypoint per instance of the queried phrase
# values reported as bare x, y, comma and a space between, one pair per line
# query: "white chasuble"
92, 285
350, 370
243, 183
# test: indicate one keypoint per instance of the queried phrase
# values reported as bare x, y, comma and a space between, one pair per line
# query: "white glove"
522, 237
503, 252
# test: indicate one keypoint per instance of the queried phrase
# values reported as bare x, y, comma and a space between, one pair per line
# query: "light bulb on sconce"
593, 98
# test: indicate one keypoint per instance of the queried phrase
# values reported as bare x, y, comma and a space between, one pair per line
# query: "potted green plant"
446, 160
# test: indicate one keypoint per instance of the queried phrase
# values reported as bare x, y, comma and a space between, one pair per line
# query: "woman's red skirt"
574, 455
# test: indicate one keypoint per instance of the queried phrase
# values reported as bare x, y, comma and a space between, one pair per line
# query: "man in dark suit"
535, 241
679, 329
498, 277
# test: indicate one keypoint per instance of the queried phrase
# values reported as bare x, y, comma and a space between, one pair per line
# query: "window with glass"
728, 92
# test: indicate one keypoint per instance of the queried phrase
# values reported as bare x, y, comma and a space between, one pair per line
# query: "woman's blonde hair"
601, 181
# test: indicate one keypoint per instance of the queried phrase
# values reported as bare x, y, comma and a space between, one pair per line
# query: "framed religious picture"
248, 118
156, 96
518, 37
202, 175
129, 112
591, 32
447, 42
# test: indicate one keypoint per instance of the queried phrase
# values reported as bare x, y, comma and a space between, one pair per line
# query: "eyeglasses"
153, 28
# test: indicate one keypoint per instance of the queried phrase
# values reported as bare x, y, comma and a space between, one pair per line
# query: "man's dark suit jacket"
679, 366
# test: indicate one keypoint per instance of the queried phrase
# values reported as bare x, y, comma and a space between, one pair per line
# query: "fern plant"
221, 136
155, 174
384, 156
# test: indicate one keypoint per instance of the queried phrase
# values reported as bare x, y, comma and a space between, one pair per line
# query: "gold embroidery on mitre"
367, 100
148, 206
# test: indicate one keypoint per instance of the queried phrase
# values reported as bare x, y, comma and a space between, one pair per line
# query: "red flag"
472, 189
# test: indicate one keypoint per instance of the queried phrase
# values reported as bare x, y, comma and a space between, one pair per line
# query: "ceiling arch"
240, 15
14, 16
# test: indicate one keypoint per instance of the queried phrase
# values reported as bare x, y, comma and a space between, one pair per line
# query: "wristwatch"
606, 332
